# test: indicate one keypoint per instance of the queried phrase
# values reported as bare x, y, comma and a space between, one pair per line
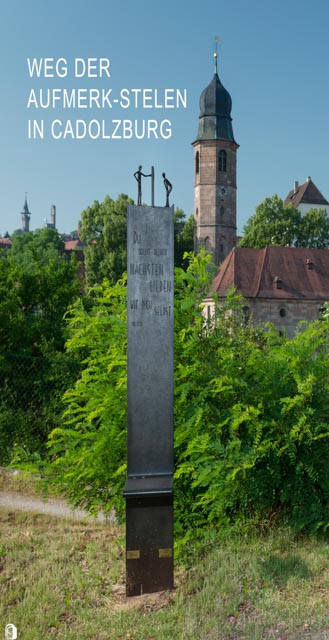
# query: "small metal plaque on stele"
133, 554
165, 553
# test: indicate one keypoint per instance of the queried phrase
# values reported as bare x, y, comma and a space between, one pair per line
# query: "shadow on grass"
279, 568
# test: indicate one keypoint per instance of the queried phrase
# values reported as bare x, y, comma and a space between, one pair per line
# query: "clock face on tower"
222, 191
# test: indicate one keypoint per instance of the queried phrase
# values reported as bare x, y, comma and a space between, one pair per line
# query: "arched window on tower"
197, 162
222, 160
222, 212
222, 245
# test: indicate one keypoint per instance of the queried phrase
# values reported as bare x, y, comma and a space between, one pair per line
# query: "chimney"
295, 186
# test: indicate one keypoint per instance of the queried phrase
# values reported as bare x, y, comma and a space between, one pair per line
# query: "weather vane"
217, 40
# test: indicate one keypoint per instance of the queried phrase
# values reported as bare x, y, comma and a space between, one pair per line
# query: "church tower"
215, 173
25, 217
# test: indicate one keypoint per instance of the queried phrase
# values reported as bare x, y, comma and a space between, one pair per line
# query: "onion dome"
215, 112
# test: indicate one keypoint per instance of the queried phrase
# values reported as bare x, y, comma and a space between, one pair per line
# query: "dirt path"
53, 507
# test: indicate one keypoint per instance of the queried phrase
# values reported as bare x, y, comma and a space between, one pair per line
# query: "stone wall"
284, 314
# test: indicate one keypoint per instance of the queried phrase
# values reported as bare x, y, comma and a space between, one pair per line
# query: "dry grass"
61, 579
18, 482
65, 580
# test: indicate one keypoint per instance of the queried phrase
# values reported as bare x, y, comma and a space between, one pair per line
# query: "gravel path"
53, 507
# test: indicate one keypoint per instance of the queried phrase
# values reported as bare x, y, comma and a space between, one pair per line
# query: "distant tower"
52, 223
53, 216
215, 173
26, 217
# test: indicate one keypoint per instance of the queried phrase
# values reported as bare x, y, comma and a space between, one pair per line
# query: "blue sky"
273, 59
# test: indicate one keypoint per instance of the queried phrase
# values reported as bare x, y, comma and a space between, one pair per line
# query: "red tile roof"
304, 273
70, 245
5, 242
306, 193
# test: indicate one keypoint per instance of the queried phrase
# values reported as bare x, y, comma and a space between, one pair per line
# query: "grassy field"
18, 482
62, 579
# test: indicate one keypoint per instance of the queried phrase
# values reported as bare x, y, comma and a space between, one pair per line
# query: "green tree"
104, 229
314, 229
273, 224
282, 225
184, 237
37, 284
35, 248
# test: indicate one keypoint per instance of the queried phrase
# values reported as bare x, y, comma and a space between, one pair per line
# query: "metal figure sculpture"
138, 176
168, 188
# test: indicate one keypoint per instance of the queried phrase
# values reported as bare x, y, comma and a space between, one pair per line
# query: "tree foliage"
37, 284
251, 413
36, 248
90, 449
104, 229
183, 238
257, 435
282, 225
314, 229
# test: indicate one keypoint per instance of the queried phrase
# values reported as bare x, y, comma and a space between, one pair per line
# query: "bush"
89, 451
31, 402
251, 413
255, 445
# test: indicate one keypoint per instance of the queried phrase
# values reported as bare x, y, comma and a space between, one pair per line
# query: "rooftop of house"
71, 245
5, 243
306, 193
275, 272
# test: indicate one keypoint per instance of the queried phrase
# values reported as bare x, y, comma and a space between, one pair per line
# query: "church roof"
306, 193
215, 122
275, 272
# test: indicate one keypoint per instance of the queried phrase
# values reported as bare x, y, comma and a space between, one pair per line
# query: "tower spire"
25, 216
215, 171
217, 40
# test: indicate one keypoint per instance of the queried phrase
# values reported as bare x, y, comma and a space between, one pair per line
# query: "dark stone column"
149, 490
